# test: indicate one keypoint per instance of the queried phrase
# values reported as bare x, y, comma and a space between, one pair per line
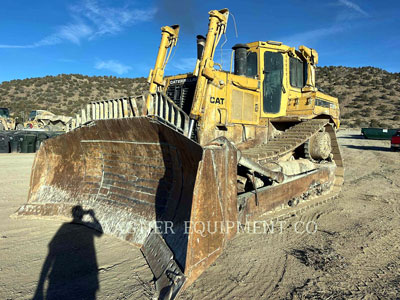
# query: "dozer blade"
147, 184
129, 171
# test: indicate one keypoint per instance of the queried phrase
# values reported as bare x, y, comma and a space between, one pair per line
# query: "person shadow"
71, 268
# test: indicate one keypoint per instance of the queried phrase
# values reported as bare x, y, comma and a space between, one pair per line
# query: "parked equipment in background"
395, 141
213, 147
378, 133
43, 119
7, 122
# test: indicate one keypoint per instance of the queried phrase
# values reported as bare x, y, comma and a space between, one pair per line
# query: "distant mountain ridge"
368, 96
65, 93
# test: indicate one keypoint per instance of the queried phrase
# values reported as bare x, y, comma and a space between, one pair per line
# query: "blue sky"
121, 38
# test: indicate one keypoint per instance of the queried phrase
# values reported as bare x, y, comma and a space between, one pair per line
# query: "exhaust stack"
240, 59
201, 42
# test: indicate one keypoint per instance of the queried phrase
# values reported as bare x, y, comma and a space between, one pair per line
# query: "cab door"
274, 98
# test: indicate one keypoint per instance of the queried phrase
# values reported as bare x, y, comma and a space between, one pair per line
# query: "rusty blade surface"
214, 209
269, 198
168, 276
212, 221
131, 172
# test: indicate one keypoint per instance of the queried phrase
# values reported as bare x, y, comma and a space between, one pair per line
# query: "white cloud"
353, 6
342, 23
74, 32
111, 20
91, 20
184, 64
16, 46
308, 37
47, 41
113, 66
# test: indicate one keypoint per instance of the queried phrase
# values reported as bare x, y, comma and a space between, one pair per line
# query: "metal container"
378, 133
4, 143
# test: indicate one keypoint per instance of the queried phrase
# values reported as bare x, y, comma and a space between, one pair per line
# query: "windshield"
273, 70
4, 112
32, 115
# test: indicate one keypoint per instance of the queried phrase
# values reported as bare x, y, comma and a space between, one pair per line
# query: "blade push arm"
169, 38
217, 26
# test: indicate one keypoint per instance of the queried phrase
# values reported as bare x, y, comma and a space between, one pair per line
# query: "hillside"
368, 96
65, 93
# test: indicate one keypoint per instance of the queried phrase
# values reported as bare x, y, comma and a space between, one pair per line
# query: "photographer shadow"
71, 268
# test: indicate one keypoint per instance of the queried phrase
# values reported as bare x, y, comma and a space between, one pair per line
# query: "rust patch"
273, 196
214, 206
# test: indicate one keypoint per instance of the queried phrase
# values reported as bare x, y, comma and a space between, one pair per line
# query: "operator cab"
282, 71
4, 112
32, 115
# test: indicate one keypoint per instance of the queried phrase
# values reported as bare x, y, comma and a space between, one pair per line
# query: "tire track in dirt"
255, 275
368, 273
397, 207
371, 264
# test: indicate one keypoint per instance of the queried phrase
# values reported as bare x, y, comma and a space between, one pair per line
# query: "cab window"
296, 73
32, 115
4, 112
251, 64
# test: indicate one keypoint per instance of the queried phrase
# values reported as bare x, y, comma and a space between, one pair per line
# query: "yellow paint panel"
244, 107
236, 109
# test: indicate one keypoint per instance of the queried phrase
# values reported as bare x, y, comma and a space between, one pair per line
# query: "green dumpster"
28, 143
378, 133
15, 143
4, 143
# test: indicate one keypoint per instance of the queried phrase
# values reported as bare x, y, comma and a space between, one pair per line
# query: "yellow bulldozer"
7, 122
179, 170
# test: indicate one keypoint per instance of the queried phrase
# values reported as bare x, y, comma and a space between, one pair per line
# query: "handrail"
161, 107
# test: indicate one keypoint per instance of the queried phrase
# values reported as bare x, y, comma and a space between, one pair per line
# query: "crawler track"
287, 142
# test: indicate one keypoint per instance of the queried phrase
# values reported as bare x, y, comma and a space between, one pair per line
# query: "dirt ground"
354, 253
